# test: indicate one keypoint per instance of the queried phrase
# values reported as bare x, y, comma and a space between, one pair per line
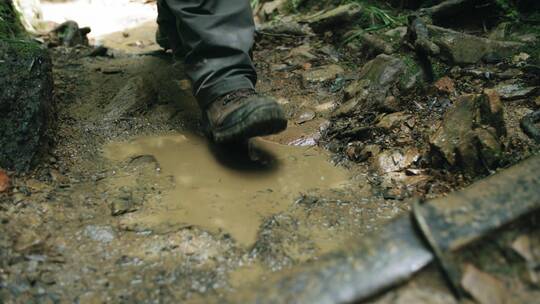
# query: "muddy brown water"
226, 189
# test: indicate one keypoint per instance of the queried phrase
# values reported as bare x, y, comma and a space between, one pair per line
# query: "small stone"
395, 160
347, 108
483, 287
111, 70
305, 117
103, 234
394, 120
520, 58
4, 181
322, 74
302, 53
325, 107
121, 206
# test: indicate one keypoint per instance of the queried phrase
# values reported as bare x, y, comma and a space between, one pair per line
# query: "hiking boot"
243, 114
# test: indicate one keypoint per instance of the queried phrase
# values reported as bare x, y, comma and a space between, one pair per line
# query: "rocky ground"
384, 107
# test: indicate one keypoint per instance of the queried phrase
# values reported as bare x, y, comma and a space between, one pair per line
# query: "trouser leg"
217, 36
167, 35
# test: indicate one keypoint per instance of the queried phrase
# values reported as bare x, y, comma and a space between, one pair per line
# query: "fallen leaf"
445, 84
4, 181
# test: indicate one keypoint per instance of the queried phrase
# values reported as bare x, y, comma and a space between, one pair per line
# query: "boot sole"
260, 121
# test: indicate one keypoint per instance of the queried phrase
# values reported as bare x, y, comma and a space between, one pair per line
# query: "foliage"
509, 9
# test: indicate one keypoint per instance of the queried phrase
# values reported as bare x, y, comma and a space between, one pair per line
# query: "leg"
217, 36
167, 35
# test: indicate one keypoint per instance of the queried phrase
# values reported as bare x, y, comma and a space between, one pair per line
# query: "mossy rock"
25, 102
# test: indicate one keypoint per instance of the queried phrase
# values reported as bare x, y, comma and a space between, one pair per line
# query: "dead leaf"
4, 181
445, 84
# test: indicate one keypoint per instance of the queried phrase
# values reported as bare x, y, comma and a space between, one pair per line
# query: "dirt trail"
134, 205
128, 206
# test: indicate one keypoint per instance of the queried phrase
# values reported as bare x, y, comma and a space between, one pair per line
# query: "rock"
521, 58
375, 45
484, 288
346, 108
305, 117
300, 55
523, 246
445, 85
461, 48
4, 181
332, 19
376, 80
394, 120
469, 136
322, 74
69, 34
397, 33
356, 88
395, 160
511, 91
136, 96
26, 102
102, 234
269, 9
383, 71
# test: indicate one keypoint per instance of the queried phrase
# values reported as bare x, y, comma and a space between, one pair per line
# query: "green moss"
411, 69
10, 26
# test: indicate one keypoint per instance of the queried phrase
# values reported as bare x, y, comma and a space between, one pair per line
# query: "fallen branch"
446, 7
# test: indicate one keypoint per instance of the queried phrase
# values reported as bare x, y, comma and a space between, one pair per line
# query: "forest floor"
133, 204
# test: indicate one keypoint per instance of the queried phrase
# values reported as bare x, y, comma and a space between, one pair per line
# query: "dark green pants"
216, 37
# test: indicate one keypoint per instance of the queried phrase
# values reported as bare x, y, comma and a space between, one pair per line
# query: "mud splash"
225, 189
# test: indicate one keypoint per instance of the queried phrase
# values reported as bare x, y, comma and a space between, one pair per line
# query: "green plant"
509, 8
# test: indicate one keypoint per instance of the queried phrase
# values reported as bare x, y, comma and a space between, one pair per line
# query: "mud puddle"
227, 190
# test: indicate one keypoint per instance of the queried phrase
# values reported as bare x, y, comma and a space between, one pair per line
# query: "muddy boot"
242, 114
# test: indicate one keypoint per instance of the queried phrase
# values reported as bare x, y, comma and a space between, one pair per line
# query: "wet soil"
134, 205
